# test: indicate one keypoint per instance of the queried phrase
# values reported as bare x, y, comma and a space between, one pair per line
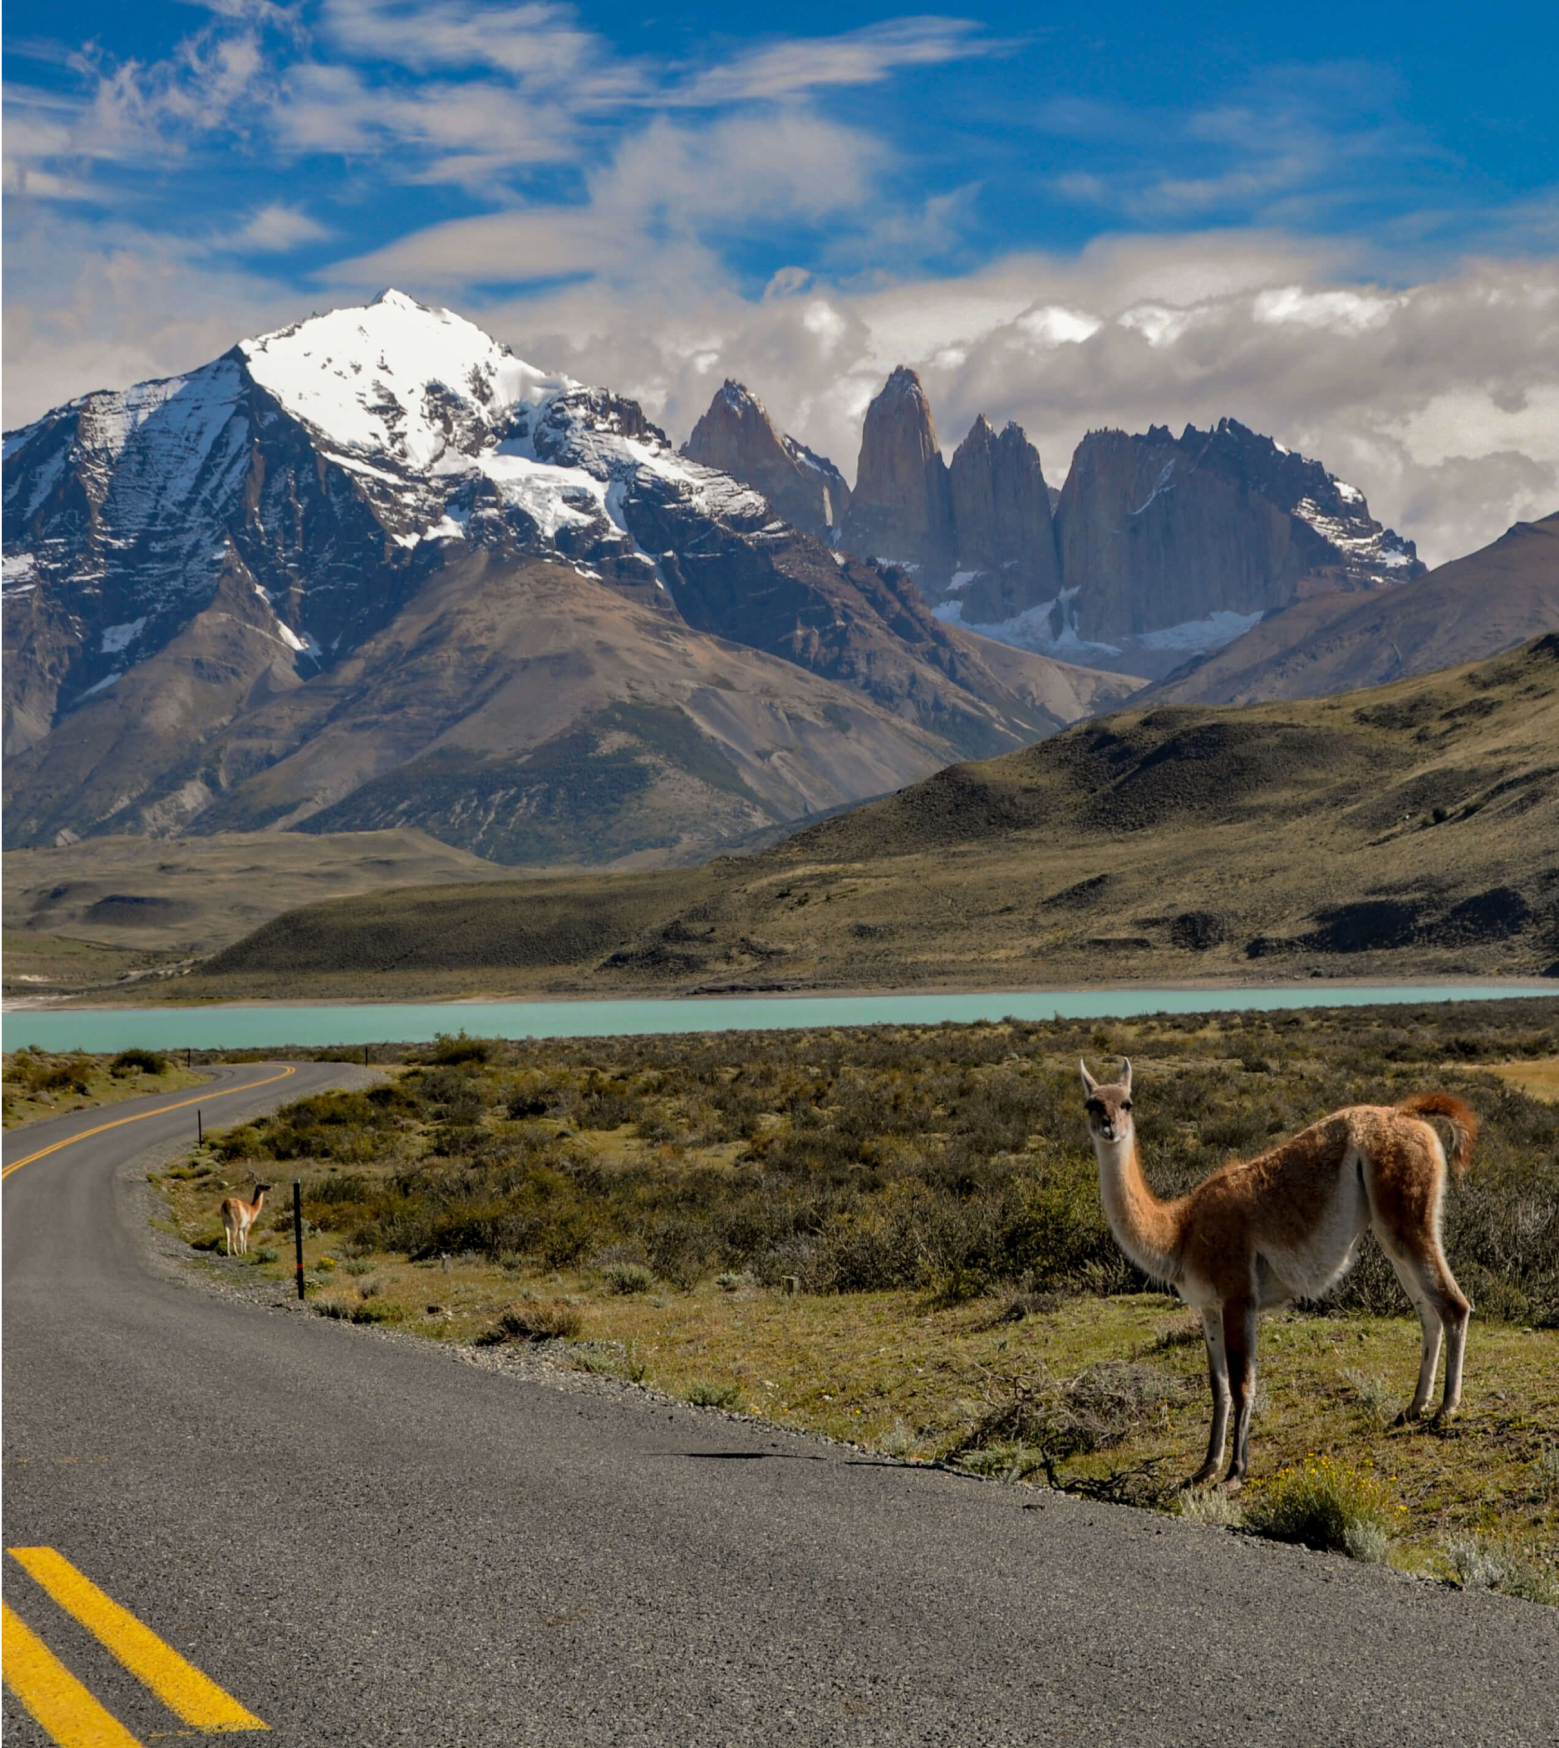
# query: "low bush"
1483, 1564
1326, 1505
627, 1277
708, 1395
531, 1320
138, 1062
1094, 1411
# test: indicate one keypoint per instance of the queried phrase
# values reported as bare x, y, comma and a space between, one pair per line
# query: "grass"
893, 1236
40, 1084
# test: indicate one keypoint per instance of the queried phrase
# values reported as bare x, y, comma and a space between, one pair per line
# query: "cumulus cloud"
625, 217
1439, 400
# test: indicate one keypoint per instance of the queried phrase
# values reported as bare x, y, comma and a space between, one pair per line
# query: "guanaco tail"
1286, 1225
238, 1216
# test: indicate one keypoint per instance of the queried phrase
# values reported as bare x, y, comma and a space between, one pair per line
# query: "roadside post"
297, 1228
200, 1133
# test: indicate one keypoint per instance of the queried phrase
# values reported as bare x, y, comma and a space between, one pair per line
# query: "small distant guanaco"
238, 1216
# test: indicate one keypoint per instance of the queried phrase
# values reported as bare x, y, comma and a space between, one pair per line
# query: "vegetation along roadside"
42, 1083
893, 1235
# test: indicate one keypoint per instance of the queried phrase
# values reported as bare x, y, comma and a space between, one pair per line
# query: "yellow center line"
141, 1116
181, 1687
53, 1695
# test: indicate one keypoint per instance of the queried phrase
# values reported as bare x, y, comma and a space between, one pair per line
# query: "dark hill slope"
1407, 831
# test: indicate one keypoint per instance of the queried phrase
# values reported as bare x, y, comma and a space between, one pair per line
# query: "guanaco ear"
1126, 1076
1090, 1085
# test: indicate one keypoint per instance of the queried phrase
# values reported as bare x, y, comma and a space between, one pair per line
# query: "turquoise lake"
239, 1027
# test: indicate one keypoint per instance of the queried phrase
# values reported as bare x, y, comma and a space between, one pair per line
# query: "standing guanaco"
1286, 1225
238, 1216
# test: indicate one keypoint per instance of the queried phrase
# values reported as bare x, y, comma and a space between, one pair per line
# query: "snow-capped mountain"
318, 455
192, 565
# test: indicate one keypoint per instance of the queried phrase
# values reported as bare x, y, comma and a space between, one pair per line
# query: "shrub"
1097, 1409
68, 1076
530, 1320
1480, 1564
447, 1051
1321, 1505
138, 1062
708, 1395
627, 1277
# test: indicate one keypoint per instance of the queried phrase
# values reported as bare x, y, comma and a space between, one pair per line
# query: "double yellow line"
141, 1116
71, 1714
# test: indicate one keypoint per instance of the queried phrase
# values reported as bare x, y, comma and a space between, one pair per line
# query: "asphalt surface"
366, 1543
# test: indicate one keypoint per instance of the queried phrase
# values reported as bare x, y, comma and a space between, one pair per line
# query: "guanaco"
238, 1216
1286, 1225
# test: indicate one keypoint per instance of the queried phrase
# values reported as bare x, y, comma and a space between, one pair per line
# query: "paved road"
365, 1543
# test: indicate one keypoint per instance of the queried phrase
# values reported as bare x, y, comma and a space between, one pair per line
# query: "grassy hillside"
87, 915
1408, 831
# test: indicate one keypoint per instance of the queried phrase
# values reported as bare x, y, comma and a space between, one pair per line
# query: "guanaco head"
1108, 1107
260, 1189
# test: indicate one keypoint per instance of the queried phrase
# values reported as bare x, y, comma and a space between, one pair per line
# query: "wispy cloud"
276, 229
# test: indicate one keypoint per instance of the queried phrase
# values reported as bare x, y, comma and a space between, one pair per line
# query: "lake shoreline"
261, 1025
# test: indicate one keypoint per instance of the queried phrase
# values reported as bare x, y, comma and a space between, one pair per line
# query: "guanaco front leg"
1218, 1378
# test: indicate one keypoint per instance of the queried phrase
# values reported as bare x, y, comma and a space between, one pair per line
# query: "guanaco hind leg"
1442, 1309
1239, 1346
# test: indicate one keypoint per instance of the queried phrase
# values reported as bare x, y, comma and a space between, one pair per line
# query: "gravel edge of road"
170, 1259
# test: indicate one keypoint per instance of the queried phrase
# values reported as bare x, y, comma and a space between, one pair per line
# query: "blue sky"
1294, 214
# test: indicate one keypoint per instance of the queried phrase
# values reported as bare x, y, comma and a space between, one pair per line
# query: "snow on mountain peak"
396, 378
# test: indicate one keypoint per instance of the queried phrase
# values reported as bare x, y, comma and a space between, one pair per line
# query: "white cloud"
1347, 312
1440, 401
276, 228
649, 213
858, 57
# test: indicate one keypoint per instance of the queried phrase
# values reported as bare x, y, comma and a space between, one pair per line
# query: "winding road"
352, 1540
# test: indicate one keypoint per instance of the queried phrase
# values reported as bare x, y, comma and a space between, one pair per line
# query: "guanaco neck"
1144, 1226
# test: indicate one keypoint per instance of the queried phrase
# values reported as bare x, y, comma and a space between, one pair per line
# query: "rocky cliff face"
1155, 531
902, 508
1001, 511
737, 437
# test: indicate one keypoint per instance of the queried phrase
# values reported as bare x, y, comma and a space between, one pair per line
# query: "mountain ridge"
191, 566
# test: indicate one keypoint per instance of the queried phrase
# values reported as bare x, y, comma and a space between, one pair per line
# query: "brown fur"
238, 1216
1261, 1232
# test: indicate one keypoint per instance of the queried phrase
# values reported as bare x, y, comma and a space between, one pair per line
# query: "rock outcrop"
1005, 536
1156, 532
738, 437
902, 508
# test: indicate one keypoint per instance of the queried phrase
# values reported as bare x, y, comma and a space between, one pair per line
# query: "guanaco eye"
1125, 1104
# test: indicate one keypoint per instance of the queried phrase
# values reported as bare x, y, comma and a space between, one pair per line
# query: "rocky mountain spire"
738, 437
902, 509
1001, 510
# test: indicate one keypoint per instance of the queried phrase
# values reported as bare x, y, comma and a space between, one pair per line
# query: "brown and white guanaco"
238, 1216
1286, 1225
